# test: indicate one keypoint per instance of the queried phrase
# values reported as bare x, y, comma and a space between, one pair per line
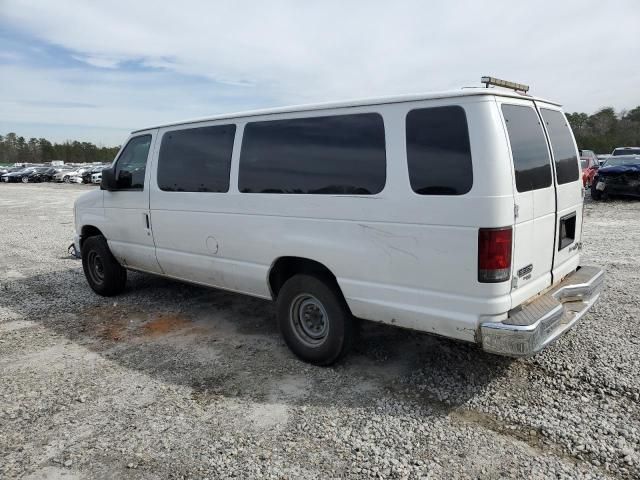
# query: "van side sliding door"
190, 201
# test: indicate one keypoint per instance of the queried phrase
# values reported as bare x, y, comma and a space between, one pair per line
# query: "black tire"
595, 194
104, 274
319, 300
65, 179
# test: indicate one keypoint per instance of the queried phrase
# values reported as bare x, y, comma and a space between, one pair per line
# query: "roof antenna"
518, 87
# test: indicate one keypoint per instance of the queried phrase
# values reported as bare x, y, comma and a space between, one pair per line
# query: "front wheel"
104, 274
314, 319
25, 179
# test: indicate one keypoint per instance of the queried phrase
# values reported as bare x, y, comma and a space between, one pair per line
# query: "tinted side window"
529, 148
132, 163
438, 151
564, 150
343, 154
196, 159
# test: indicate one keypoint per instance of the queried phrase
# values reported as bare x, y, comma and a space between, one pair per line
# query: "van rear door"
569, 190
535, 199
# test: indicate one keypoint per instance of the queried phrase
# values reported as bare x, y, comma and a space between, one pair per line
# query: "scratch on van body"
386, 245
403, 251
386, 232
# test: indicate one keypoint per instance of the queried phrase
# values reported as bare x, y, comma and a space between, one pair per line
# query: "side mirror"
108, 181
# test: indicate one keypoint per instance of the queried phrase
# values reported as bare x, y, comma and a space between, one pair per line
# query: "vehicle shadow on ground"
222, 344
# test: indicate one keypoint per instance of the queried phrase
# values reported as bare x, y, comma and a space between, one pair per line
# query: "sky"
95, 71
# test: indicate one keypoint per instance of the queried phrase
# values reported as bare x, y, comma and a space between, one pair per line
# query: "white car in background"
61, 174
76, 175
96, 177
69, 176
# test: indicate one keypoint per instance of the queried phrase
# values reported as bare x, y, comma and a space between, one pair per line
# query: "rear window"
196, 159
564, 150
342, 154
438, 151
529, 148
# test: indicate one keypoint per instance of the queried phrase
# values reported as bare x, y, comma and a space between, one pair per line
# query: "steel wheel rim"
96, 267
309, 320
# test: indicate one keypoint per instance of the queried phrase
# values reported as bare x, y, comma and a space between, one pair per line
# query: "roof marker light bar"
518, 87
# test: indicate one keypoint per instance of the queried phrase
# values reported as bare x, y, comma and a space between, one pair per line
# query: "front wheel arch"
89, 231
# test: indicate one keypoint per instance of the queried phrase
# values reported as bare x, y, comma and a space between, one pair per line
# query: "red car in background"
589, 164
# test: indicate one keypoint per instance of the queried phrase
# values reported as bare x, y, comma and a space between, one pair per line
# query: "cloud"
97, 61
281, 52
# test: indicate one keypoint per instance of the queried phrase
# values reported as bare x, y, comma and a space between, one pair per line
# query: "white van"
456, 213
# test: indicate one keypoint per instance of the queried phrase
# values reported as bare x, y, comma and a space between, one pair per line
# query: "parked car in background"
17, 175
602, 157
625, 151
62, 173
88, 174
590, 154
40, 174
4, 170
589, 166
620, 175
97, 176
67, 175
75, 176
78, 177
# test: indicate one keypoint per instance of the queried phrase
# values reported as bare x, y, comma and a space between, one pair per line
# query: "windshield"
620, 160
626, 151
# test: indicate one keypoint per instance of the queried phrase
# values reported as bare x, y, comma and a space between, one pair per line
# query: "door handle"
146, 220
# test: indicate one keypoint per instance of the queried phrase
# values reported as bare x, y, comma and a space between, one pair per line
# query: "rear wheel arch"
284, 268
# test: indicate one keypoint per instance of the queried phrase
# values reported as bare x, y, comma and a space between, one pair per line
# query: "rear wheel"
314, 319
104, 274
65, 179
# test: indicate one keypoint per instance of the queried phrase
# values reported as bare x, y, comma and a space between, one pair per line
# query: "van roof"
464, 92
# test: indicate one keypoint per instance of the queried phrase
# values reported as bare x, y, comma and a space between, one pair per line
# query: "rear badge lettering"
525, 271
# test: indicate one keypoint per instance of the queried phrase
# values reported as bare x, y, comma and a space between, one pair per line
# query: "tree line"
601, 132
16, 149
605, 130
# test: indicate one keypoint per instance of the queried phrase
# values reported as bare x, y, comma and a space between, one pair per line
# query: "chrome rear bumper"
537, 324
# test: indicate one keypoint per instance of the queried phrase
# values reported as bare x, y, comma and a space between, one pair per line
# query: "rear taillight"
494, 254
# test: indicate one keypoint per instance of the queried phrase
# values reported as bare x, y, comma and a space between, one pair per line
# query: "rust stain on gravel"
164, 323
117, 324
115, 331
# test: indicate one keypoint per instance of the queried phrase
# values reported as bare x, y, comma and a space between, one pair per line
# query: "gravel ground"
175, 381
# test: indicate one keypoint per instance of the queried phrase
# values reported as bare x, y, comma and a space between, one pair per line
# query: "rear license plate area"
567, 230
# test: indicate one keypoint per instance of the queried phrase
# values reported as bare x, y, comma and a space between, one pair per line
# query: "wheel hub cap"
309, 319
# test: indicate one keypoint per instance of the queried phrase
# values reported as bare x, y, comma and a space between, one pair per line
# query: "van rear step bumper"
537, 324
